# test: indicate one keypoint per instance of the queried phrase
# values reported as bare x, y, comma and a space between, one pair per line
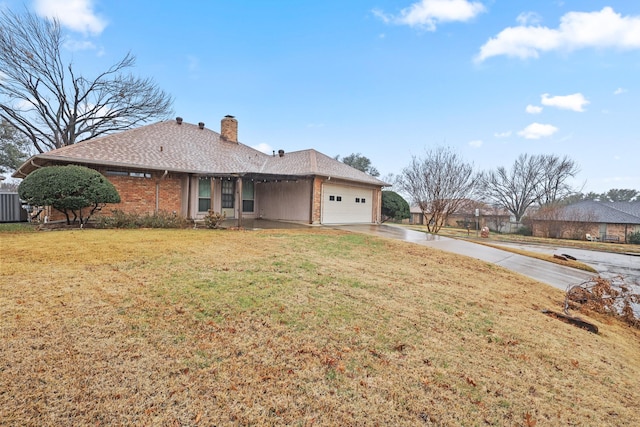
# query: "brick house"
589, 219
174, 166
496, 218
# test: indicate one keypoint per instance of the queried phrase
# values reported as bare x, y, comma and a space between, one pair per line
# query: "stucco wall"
289, 201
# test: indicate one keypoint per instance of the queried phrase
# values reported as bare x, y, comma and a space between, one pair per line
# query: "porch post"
239, 200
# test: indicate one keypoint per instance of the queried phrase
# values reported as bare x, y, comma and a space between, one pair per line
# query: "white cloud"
537, 131
577, 30
24, 104
528, 18
476, 143
263, 147
533, 109
76, 45
428, 13
77, 15
575, 102
619, 91
506, 134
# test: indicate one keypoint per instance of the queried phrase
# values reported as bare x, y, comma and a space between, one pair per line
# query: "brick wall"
317, 201
139, 194
578, 231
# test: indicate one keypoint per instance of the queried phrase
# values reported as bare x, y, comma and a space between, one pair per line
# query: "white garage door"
342, 204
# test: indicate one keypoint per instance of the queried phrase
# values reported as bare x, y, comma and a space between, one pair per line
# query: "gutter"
19, 174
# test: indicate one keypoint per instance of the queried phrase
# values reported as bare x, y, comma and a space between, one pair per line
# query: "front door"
228, 199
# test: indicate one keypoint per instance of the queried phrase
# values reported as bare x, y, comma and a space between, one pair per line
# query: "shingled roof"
184, 147
604, 212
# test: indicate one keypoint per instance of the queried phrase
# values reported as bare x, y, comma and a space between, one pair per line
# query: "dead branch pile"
607, 296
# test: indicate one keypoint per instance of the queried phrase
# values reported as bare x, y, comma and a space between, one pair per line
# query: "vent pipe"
201, 125
179, 120
281, 153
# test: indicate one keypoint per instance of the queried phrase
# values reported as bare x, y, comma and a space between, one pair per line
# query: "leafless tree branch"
54, 106
438, 183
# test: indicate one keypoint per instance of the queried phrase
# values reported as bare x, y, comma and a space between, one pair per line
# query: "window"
332, 198
357, 199
227, 194
204, 194
247, 195
126, 173
362, 200
140, 175
339, 198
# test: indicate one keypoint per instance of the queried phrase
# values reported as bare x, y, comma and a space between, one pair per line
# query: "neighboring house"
174, 166
496, 218
604, 221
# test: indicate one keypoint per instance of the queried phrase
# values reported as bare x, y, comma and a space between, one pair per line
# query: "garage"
343, 204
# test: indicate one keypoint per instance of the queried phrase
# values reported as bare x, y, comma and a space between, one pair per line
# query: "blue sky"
491, 79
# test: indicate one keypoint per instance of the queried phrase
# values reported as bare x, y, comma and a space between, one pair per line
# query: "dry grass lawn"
292, 327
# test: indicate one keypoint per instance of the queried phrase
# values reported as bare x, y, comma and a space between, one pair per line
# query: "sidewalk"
552, 274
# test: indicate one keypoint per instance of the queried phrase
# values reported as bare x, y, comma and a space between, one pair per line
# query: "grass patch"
543, 257
17, 227
312, 326
515, 238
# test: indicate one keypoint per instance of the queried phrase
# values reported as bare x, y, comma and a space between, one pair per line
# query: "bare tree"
515, 189
536, 179
438, 184
496, 217
553, 180
54, 106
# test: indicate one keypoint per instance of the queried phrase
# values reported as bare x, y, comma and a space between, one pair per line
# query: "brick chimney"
229, 129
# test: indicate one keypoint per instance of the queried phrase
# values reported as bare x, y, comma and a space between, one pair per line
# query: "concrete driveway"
552, 274
608, 264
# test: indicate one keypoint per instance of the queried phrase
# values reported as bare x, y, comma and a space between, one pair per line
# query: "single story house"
174, 166
494, 217
589, 219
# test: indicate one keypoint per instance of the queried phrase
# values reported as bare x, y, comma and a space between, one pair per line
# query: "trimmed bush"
68, 189
120, 219
394, 206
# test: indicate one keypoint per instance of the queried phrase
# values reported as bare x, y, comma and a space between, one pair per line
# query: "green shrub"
394, 206
68, 189
634, 238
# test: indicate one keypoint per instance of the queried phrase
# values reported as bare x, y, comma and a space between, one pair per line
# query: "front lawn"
292, 327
